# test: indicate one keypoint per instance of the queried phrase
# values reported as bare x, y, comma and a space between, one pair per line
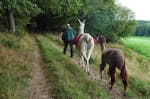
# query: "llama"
85, 46
114, 59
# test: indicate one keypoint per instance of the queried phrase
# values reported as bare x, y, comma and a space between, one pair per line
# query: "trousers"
66, 43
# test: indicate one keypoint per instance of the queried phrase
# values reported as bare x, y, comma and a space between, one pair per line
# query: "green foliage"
102, 17
25, 7
142, 28
21, 25
111, 20
56, 13
11, 42
108, 18
20, 32
18, 10
105, 18
59, 8
67, 79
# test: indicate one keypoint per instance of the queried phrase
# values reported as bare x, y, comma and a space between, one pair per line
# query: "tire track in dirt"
115, 92
38, 87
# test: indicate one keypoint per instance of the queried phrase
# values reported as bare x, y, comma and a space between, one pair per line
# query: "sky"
141, 8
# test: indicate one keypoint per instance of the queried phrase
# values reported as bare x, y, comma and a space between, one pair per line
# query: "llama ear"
79, 21
84, 21
97, 38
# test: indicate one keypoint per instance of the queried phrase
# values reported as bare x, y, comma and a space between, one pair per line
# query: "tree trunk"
11, 21
10, 18
7, 20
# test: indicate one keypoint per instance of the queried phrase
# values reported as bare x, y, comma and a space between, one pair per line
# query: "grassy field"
139, 44
15, 53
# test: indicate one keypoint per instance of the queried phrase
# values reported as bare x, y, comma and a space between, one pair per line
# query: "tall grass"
66, 79
13, 65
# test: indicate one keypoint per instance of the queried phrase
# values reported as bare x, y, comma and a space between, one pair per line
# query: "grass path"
38, 87
115, 92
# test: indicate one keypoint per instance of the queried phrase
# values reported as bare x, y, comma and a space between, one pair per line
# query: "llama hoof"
101, 77
125, 94
110, 88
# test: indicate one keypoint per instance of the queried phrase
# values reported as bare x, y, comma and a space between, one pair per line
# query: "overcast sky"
141, 8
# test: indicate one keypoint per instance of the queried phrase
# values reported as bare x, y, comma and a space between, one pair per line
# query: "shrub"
10, 42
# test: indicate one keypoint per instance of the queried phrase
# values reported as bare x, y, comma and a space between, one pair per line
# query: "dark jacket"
68, 34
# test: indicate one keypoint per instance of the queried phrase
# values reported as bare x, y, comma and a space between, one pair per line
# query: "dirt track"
38, 87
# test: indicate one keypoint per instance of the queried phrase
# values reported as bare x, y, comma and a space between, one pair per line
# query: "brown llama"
114, 59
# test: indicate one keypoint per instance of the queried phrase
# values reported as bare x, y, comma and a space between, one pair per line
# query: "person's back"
69, 34
68, 37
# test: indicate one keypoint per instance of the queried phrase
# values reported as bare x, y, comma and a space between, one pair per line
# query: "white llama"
85, 46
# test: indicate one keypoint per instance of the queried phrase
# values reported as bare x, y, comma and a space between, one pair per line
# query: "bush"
11, 42
20, 32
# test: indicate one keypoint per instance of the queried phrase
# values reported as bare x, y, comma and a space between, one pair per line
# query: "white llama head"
81, 27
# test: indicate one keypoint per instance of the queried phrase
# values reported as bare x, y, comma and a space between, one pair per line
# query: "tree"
142, 28
102, 17
108, 18
56, 13
14, 8
125, 22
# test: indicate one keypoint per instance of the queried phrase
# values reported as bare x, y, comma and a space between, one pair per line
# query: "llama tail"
124, 77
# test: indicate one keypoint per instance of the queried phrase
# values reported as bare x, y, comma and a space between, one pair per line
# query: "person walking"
68, 37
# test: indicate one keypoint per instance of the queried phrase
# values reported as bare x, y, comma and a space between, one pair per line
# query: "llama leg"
90, 48
124, 77
80, 58
113, 77
83, 52
82, 62
87, 67
101, 68
109, 74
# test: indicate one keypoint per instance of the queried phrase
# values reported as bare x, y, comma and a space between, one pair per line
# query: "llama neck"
81, 30
102, 47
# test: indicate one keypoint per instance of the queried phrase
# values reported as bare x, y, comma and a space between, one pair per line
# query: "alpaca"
85, 46
114, 59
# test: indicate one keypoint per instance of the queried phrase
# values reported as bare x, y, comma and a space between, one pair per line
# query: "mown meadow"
139, 44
